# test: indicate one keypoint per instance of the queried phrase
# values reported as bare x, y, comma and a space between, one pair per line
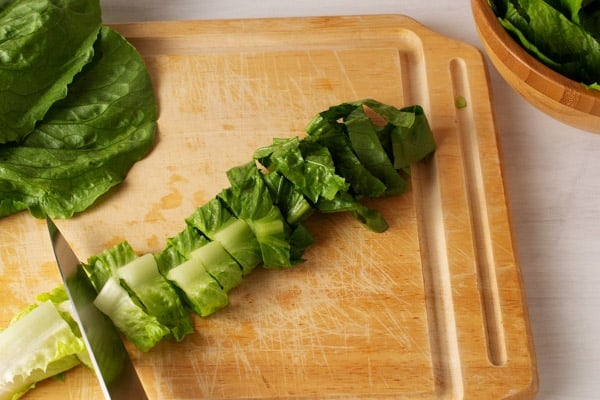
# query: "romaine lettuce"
290, 201
250, 200
373, 159
142, 277
563, 34
202, 292
88, 141
141, 328
219, 264
30, 80
257, 219
215, 259
141, 311
37, 345
325, 130
102, 266
310, 168
215, 221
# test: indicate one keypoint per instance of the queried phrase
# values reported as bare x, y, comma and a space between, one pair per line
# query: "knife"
108, 355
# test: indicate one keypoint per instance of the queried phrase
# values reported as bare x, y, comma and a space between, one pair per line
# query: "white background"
552, 176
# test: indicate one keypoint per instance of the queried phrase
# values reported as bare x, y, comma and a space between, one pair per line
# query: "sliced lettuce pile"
563, 34
258, 220
345, 157
77, 107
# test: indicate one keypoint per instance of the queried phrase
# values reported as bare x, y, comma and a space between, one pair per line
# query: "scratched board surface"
432, 308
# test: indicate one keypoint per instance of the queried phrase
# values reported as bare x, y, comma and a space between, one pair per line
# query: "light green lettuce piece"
202, 292
250, 200
37, 345
142, 329
156, 294
217, 223
149, 295
219, 264
215, 259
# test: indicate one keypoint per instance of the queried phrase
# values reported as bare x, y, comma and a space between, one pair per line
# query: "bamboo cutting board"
433, 308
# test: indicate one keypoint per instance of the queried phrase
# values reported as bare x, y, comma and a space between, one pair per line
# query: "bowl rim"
533, 72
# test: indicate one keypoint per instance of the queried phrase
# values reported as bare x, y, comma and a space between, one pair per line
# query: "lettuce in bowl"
563, 34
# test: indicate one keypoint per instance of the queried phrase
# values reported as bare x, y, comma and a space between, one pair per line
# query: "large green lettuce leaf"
88, 141
30, 80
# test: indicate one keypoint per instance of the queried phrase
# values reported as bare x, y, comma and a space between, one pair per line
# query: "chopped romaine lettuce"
190, 243
148, 288
331, 134
156, 294
258, 219
310, 168
188, 240
344, 201
250, 200
104, 265
369, 150
215, 221
142, 329
291, 202
219, 264
202, 292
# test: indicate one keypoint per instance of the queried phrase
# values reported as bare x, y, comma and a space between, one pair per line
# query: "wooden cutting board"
433, 308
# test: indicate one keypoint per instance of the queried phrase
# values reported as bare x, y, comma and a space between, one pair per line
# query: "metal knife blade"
108, 355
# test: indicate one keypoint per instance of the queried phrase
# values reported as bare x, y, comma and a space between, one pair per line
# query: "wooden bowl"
560, 97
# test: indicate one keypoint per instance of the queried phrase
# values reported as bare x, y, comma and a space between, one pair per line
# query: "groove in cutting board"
488, 285
434, 261
440, 314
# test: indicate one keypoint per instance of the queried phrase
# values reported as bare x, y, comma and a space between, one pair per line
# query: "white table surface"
552, 176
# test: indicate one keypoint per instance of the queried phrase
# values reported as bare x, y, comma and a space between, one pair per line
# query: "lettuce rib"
38, 345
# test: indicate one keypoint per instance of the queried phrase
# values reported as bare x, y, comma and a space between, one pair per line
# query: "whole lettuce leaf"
88, 141
30, 80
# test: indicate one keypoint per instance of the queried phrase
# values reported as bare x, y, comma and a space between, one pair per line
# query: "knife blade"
108, 355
